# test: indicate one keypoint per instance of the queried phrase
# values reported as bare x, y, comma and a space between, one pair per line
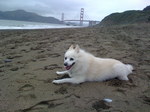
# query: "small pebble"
107, 100
7, 60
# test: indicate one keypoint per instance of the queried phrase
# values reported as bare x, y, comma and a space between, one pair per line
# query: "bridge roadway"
91, 22
82, 20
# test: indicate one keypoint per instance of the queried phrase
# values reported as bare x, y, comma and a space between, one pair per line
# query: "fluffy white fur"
82, 66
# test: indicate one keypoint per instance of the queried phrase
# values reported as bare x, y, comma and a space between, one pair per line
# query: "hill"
22, 15
146, 8
127, 17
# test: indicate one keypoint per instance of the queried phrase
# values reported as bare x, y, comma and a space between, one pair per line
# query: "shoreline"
65, 27
12, 24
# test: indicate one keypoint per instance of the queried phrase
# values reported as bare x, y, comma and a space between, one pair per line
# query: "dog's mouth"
69, 67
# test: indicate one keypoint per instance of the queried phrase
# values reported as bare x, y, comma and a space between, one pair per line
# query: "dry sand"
30, 58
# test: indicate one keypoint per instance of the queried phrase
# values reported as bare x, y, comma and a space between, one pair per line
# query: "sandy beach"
29, 60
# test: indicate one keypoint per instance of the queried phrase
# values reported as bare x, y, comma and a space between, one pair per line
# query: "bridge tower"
81, 16
62, 17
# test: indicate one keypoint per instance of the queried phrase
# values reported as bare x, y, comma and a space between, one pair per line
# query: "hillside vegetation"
22, 15
127, 17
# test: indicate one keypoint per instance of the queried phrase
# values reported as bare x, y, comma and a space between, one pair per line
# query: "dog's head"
70, 57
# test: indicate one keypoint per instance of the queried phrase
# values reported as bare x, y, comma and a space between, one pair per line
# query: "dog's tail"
129, 67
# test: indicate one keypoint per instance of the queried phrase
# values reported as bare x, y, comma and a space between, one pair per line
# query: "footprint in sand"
61, 90
43, 106
51, 67
26, 87
41, 56
100, 105
14, 69
30, 75
120, 90
26, 93
14, 56
54, 55
26, 97
35, 48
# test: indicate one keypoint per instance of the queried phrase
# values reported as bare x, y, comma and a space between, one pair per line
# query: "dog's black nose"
65, 64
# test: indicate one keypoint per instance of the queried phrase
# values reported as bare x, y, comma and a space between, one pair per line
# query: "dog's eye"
71, 59
65, 58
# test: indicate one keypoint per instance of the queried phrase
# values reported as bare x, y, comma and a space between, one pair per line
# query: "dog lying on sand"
82, 66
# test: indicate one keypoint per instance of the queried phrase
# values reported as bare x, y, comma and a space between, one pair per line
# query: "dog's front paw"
56, 82
59, 73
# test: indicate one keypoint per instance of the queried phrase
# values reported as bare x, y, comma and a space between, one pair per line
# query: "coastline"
35, 55
23, 25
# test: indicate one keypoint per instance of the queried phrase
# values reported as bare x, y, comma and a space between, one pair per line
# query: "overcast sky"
94, 9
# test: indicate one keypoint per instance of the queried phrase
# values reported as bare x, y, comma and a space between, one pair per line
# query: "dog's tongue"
67, 67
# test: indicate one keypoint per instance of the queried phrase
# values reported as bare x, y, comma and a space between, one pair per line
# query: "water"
12, 24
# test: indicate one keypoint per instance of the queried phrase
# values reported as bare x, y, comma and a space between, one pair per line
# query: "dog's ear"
71, 47
77, 48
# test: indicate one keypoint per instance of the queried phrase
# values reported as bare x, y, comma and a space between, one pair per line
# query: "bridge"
81, 19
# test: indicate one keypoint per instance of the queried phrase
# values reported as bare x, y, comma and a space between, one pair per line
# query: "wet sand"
30, 58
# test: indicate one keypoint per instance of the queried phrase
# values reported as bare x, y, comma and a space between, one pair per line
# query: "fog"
94, 9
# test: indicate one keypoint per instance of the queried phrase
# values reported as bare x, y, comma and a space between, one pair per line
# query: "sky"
93, 9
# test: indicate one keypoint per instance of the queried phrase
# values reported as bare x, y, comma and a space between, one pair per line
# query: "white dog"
82, 66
